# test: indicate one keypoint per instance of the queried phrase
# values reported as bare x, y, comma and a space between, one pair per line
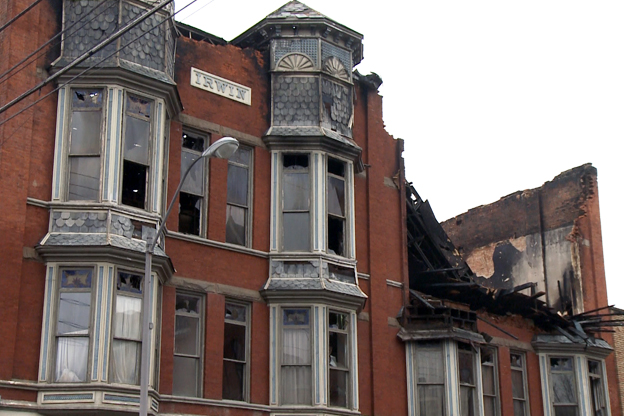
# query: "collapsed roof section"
443, 288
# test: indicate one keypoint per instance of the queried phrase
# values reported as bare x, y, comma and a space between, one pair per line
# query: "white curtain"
128, 318
71, 359
126, 362
126, 351
296, 367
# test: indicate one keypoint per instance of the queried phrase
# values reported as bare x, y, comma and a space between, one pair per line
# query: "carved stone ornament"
295, 62
334, 67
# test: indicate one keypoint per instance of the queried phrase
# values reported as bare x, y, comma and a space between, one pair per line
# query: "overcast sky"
490, 97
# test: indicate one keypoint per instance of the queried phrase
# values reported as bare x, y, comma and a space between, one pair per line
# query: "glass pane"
76, 279
74, 313
429, 361
517, 384
489, 406
235, 312
188, 304
335, 196
235, 223
338, 320
466, 367
186, 335
338, 350
242, 156
134, 184
563, 387
296, 191
237, 185
233, 381
296, 316
185, 376
138, 106
85, 133
126, 362
128, 317
296, 231
466, 401
136, 140
194, 182
189, 219
431, 400
84, 178
128, 282
565, 411
234, 341
338, 381
87, 99
516, 360
519, 408
72, 355
488, 380
296, 346
193, 142
296, 385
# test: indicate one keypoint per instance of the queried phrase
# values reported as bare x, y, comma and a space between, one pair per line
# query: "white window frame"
282, 210
348, 189
246, 361
601, 379
348, 370
200, 340
203, 212
494, 366
523, 370
249, 207
468, 349
92, 307
575, 381
311, 364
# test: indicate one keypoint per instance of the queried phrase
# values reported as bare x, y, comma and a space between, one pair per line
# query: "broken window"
338, 350
336, 213
187, 351
296, 357
596, 383
72, 327
136, 158
518, 384
296, 202
85, 145
563, 386
126, 355
467, 383
192, 194
430, 378
489, 377
238, 190
235, 352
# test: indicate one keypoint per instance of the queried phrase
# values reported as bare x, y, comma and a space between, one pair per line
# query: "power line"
51, 40
95, 65
86, 55
20, 14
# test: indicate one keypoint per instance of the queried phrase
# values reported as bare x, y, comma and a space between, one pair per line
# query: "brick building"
301, 276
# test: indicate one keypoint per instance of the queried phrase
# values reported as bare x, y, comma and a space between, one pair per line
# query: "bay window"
338, 358
85, 145
73, 325
430, 378
296, 357
467, 383
518, 384
563, 385
597, 387
336, 212
489, 377
296, 202
192, 194
136, 151
187, 363
126, 346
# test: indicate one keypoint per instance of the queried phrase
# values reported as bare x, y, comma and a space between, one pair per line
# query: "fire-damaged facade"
301, 276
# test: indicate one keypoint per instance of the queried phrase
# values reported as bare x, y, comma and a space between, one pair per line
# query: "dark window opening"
235, 352
190, 213
335, 235
140, 229
295, 161
134, 184
343, 274
193, 142
336, 167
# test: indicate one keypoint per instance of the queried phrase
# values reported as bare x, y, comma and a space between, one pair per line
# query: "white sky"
490, 97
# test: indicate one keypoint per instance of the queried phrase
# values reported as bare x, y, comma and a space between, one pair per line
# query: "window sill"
214, 402
312, 410
217, 244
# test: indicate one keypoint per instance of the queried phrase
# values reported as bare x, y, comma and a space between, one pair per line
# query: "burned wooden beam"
498, 327
420, 298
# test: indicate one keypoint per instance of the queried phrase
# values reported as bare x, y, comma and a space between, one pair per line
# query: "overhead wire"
20, 14
95, 65
39, 51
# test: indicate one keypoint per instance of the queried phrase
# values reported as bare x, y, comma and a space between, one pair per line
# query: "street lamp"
221, 149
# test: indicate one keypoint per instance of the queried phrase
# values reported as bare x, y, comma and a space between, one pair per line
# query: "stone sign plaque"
220, 86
